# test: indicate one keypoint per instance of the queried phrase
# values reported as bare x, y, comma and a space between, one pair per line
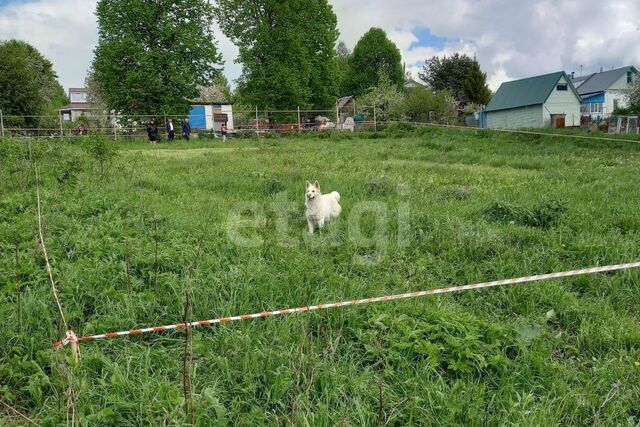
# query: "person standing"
170, 130
186, 129
223, 131
152, 132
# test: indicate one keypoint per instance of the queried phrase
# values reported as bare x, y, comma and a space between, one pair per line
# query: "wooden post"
299, 128
257, 127
375, 123
337, 116
60, 120
1, 125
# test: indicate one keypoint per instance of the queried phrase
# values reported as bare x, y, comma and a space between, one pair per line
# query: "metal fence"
614, 124
242, 121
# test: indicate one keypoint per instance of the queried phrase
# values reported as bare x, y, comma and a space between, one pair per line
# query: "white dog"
321, 208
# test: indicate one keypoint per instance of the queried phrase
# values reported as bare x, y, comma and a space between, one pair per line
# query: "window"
562, 86
78, 97
592, 108
629, 77
616, 104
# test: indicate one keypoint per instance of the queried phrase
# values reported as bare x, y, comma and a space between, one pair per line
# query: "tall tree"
153, 55
374, 55
343, 56
633, 96
475, 86
459, 74
28, 84
286, 50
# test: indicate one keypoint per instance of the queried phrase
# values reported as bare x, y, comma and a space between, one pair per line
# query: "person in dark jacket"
170, 130
186, 129
152, 132
223, 131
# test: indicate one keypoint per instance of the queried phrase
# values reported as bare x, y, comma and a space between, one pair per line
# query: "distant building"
211, 116
346, 107
602, 93
549, 100
79, 106
408, 84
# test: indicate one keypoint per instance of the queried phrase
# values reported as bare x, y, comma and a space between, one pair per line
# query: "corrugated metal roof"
525, 92
600, 82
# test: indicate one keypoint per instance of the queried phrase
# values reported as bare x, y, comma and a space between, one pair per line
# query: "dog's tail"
336, 195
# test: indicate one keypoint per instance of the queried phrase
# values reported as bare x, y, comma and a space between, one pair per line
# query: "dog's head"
312, 190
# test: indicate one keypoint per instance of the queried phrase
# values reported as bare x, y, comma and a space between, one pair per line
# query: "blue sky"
510, 39
426, 39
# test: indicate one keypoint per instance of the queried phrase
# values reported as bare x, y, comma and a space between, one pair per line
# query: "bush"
102, 150
420, 101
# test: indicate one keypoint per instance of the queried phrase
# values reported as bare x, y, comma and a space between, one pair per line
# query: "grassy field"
421, 210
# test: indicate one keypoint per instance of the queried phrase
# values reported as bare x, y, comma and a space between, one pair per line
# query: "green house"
544, 101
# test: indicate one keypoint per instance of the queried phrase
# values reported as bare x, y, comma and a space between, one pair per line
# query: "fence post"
375, 123
1, 125
257, 127
337, 116
60, 120
299, 128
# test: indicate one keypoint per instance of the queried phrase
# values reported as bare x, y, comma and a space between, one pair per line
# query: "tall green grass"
481, 205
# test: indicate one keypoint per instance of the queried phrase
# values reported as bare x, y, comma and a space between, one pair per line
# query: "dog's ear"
317, 185
307, 185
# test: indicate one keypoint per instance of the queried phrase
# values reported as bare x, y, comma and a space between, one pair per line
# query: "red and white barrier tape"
526, 279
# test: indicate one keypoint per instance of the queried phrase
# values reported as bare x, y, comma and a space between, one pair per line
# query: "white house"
80, 106
602, 93
211, 116
544, 101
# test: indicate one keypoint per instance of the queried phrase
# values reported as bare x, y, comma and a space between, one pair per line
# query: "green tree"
343, 56
387, 99
28, 84
422, 105
475, 86
374, 55
460, 74
153, 55
633, 96
286, 50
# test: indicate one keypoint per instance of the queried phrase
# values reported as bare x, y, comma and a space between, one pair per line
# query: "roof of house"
412, 83
525, 92
344, 101
578, 80
78, 106
600, 82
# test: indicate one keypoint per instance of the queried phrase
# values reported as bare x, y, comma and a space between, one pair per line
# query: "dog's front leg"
311, 227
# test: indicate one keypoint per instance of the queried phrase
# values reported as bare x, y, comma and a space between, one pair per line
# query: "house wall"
617, 91
202, 116
197, 117
515, 118
562, 102
228, 110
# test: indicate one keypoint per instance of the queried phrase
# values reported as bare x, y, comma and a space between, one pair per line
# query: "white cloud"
510, 39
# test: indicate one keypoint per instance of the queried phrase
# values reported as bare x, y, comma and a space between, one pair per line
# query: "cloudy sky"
511, 39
